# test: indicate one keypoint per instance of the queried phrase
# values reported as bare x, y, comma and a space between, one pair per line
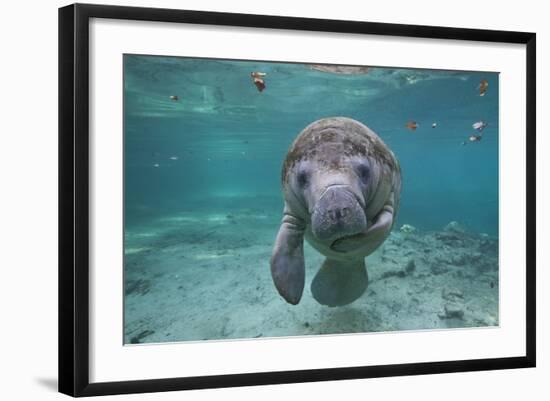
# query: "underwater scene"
267, 199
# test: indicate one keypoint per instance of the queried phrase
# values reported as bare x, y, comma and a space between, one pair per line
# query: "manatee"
341, 187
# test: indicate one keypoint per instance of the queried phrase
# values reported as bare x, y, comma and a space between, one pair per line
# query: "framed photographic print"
250, 199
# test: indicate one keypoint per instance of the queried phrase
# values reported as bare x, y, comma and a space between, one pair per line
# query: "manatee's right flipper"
287, 260
339, 282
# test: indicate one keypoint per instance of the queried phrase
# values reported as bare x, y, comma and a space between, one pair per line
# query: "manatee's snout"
337, 214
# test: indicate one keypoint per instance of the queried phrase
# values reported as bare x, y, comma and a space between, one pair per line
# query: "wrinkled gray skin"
341, 187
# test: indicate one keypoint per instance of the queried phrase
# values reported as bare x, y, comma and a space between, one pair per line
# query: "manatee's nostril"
338, 213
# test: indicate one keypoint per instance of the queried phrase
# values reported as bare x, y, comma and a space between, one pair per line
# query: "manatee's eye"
303, 178
363, 171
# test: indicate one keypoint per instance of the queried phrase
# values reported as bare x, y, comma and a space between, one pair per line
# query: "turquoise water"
212, 158
230, 139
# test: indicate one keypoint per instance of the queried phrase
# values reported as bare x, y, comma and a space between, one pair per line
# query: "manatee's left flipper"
339, 282
384, 220
381, 226
287, 260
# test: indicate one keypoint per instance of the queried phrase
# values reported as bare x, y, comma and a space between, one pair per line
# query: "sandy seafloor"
204, 275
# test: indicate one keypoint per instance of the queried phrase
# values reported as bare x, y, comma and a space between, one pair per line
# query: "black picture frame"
74, 198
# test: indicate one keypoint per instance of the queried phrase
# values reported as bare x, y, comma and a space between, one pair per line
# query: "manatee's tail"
340, 283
